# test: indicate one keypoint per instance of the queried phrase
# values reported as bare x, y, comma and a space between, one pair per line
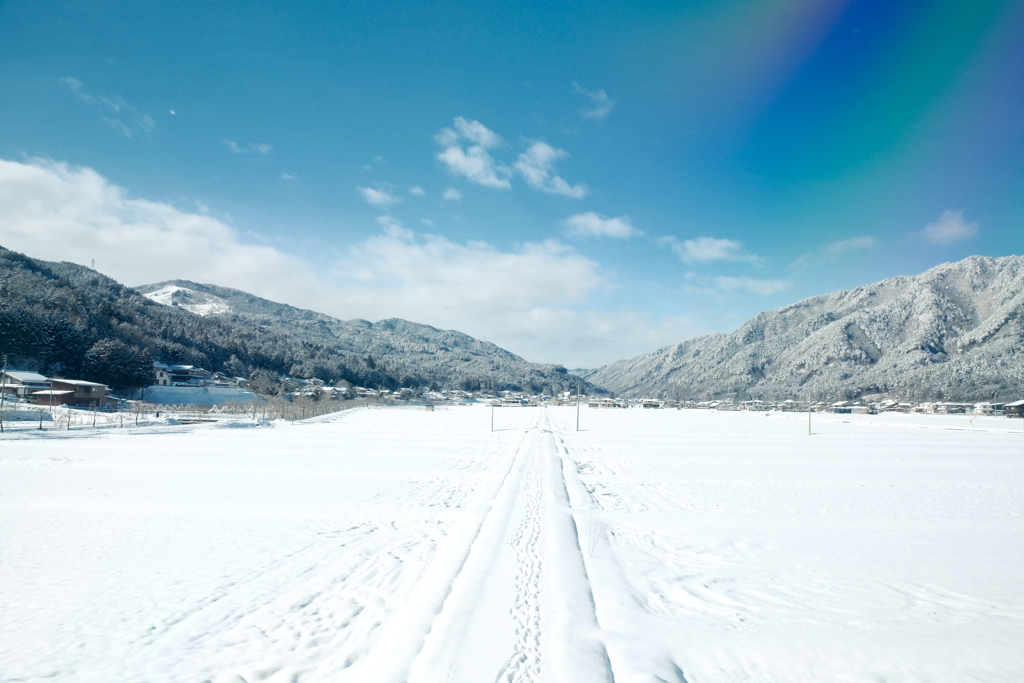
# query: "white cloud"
531, 299
472, 131
474, 162
951, 227
55, 211
260, 148
601, 105
417, 191
537, 165
427, 222
452, 195
706, 249
288, 177
592, 224
476, 165
731, 285
117, 113
375, 197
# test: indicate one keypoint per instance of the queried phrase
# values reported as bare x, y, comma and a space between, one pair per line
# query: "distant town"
197, 388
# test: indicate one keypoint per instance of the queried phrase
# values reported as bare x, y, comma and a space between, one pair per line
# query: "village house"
22, 384
188, 375
160, 372
1015, 409
72, 392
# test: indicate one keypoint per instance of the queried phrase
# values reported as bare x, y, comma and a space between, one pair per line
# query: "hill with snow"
953, 332
406, 349
52, 314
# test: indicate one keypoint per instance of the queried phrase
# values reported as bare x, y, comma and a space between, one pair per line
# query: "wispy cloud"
452, 195
537, 165
592, 224
378, 197
830, 252
706, 249
417, 191
258, 148
116, 112
288, 177
852, 244
472, 162
951, 227
600, 104
731, 285
723, 286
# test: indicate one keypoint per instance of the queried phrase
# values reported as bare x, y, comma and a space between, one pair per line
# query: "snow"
399, 544
209, 304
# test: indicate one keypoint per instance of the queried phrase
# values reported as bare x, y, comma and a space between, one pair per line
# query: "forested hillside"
955, 332
53, 314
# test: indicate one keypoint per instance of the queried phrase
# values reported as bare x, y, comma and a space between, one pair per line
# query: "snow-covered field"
399, 544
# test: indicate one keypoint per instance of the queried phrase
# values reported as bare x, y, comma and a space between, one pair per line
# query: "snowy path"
510, 613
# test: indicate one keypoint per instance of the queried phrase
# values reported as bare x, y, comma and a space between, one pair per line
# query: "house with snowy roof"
72, 392
188, 375
22, 384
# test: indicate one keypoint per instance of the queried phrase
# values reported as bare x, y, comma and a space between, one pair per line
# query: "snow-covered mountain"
53, 314
953, 332
405, 348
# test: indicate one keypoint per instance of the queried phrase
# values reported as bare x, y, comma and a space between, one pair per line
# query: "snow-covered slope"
953, 332
200, 303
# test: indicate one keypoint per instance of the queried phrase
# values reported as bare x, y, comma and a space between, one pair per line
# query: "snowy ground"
399, 544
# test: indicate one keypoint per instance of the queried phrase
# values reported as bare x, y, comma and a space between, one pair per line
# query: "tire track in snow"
530, 595
575, 639
416, 642
606, 586
512, 602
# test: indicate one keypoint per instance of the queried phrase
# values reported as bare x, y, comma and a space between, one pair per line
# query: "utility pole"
808, 418
577, 406
3, 395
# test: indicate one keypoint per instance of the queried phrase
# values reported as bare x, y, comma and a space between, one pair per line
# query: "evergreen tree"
114, 363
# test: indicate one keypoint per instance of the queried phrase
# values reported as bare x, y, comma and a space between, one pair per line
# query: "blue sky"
578, 182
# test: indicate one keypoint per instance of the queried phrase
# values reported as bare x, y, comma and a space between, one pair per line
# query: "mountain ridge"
52, 313
954, 331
